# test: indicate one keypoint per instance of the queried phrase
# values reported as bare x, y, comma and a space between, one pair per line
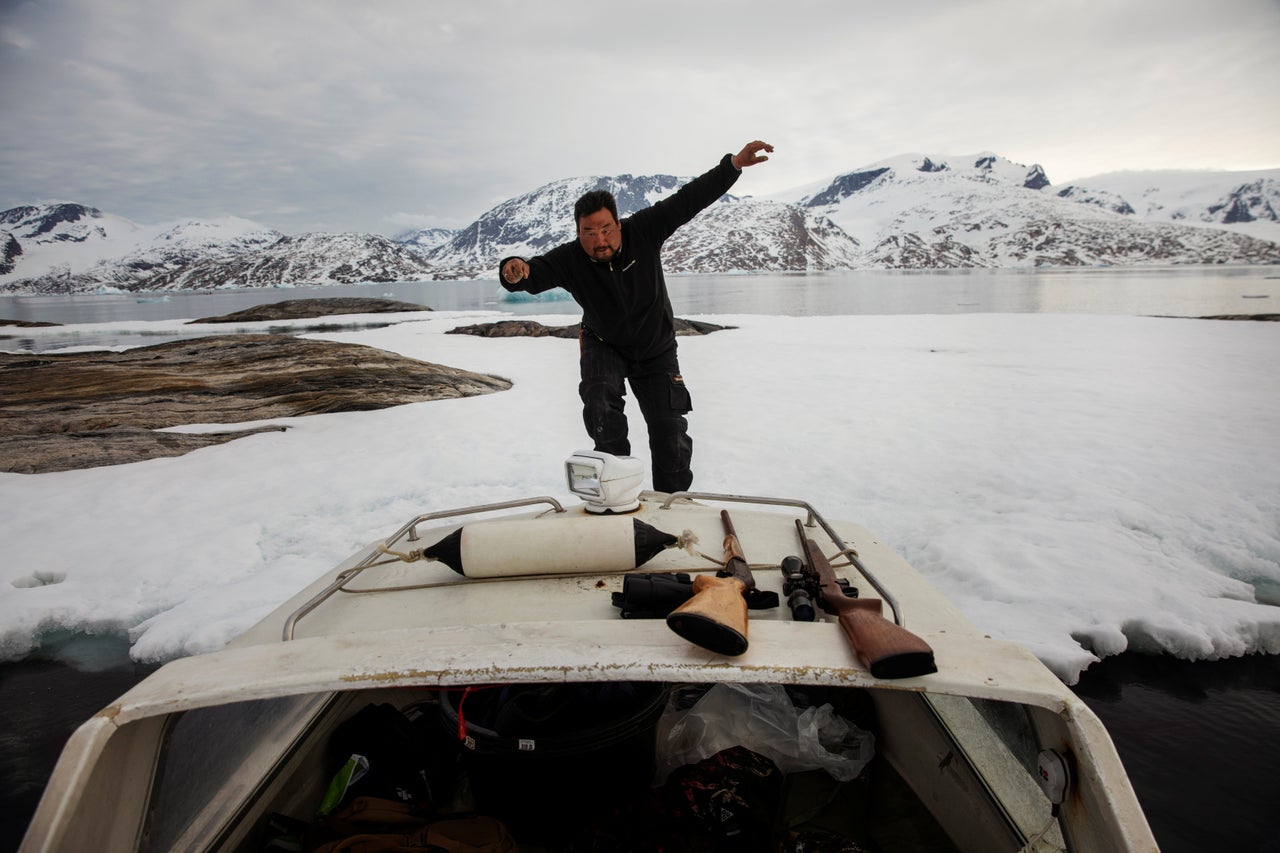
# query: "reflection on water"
1178, 292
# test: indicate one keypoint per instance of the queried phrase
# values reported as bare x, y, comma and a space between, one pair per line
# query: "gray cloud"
330, 115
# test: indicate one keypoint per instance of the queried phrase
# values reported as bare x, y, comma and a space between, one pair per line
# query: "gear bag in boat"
470, 834
542, 756
388, 757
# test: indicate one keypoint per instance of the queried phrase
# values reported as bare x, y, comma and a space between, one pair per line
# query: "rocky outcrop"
26, 324
517, 329
534, 329
59, 412
10, 249
1036, 178
301, 309
39, 454
37, 220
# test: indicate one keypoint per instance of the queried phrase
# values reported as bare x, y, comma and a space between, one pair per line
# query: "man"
614, 272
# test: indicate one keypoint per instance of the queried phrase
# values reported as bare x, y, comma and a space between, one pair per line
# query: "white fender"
577, 544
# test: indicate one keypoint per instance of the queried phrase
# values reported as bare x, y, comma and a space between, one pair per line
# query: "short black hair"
592, 202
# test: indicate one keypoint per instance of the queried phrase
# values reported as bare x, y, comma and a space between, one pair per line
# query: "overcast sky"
336, 115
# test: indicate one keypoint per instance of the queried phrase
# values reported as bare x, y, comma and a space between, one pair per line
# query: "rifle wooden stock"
715, 618
884, 647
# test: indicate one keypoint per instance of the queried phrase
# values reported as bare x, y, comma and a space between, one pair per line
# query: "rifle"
716, 617
885, 648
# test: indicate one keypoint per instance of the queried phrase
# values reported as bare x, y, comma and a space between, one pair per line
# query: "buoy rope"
409, 557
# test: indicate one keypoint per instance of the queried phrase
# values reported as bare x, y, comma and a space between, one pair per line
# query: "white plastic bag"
762, 718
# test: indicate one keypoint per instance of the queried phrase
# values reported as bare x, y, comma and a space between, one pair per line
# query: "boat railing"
411, 529
814, 516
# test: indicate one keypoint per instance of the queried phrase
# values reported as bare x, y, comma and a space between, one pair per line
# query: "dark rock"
297, 309
534, 329
517, 329
845, 186
69, 451
65, 213
910, 251
1104, 200
55, 405
14, 215
26, 324
697, 327
1036, 178
8, 252
1237, 212
1248, 203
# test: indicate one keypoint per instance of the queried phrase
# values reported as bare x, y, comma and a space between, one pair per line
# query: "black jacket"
624, 300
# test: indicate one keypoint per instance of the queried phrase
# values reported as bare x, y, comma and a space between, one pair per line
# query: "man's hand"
750, 154
515, 270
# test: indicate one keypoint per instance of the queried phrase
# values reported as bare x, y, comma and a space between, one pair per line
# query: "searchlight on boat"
607, 483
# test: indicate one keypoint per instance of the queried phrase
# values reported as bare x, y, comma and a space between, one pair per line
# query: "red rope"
462, 725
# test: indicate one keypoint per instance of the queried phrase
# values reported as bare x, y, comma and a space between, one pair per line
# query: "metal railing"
410, 531
814, 516
410, 528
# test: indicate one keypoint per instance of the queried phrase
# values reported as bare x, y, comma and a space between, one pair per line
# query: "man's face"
600, 234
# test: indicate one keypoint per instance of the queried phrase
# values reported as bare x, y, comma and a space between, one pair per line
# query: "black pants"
664, 401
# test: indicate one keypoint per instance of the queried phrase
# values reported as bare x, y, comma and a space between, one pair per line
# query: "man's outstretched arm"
750, 154
514, 270
665, 216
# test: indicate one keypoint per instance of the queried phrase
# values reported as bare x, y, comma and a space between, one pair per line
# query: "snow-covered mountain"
69, 248
1249, 202
733, 234
981, 210
69, 235
914, 211
424, 239
760, 236
302, 259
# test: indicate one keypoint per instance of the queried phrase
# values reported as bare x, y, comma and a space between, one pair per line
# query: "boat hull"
379, 628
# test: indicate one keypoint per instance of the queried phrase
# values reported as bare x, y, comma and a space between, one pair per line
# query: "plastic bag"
762, 718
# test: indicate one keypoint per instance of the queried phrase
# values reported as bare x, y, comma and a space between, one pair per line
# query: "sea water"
1173, 292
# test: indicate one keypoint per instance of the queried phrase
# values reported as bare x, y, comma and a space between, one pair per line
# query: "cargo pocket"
681, 402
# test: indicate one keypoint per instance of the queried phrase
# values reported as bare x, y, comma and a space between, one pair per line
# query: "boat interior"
584, 773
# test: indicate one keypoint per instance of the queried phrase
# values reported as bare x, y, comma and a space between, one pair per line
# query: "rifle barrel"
888, 650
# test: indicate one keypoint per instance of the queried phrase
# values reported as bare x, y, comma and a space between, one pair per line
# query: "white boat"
228, 750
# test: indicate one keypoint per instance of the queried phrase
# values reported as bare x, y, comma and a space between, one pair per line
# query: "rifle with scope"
884, 647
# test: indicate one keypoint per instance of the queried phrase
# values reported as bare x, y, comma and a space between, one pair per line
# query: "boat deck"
549, 627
